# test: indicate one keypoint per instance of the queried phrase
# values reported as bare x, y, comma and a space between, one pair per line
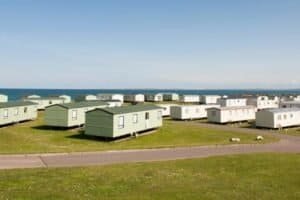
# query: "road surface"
287, 144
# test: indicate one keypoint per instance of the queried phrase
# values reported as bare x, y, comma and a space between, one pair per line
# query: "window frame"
76, 115
147, 116
122, 120
279, 117
135, 118
5, 113
159, 114
16, 111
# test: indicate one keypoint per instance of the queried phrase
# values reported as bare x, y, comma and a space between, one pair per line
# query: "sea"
17, 94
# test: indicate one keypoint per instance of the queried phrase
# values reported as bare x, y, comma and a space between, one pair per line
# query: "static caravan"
113, 103
32, 96
286, 98
189, 98
232, 102
89, 97
104, 97
263, 102
68, 99
13, 112
189, 112
209, 99
43, 102
296, 98
70, 114
278, 118
290, 104
3, 98
170, 97
231, 114
166, 109
290, 98
154, 97
122, 121
134, 98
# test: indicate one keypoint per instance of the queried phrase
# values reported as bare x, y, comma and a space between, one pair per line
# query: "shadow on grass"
81, 136
250, 126
51, 128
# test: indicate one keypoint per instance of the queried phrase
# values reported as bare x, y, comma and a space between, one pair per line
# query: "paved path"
286, 144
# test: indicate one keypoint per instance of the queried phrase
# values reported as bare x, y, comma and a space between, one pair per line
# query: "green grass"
290, 131
247, 177
32, 137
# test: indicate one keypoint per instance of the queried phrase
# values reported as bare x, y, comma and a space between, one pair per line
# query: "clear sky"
212, 44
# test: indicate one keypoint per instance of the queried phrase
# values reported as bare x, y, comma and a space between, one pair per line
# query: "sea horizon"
19, 93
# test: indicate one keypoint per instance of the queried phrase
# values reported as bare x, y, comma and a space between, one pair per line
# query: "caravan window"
279, 117
16, 111
5, 113
121, 122
159, 114
74, 114
135, 118
147, 116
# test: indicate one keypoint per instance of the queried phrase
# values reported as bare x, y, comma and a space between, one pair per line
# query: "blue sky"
213, 44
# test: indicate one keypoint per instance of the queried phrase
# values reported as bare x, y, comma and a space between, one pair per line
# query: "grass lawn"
247, 177
32, 137
291, 131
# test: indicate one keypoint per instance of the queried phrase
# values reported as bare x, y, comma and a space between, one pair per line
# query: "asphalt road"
287, 144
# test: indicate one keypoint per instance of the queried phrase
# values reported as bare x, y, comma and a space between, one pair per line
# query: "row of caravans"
214, 112
14, 112
228, 110
99, 118
261, 102
118, 121
73, 114
274, 118
62, 114
102, 120
287, 115
44, 102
